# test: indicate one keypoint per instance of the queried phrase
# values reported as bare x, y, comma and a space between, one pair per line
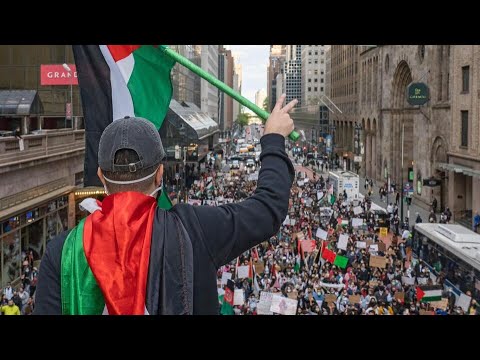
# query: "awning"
189, 118
459, 169
20, 102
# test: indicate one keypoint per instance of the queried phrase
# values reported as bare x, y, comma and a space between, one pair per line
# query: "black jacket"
186, 254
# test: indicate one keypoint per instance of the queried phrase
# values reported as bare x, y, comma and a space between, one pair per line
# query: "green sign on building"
417, 94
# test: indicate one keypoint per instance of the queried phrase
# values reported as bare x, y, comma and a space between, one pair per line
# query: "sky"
254, 60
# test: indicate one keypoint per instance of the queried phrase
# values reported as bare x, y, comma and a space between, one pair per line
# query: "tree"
265, 104
243, 119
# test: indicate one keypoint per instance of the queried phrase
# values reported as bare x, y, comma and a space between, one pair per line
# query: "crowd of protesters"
298, 264
19, 300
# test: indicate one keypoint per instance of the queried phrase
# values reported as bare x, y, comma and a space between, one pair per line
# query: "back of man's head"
129, 155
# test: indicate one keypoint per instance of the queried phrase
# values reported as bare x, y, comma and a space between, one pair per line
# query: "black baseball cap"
134, 133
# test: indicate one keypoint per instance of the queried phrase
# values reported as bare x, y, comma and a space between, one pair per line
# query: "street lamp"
358, 128
66, 67
333, 128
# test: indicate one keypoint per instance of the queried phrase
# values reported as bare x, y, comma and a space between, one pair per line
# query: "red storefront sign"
56, 74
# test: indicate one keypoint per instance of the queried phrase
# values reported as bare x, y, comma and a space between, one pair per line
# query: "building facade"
260, 96
292, 74
385, 73
183, 80
462, 155
313, 73
39, 173
275, 67
208, 92
226, 70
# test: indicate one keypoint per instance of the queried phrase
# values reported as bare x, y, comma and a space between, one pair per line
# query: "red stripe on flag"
120, 52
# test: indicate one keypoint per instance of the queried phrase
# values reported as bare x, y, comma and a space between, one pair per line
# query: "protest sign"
357, 210
321, 234
243, 271
225, 277
284, 306
259, 268
342, 242
361, 244
263, 306
424, 312
408, 280
383, 231
422, 281
463, 301
373, 248
357, 222
354, 299
329, 298
378, 261
238, 297
441, 304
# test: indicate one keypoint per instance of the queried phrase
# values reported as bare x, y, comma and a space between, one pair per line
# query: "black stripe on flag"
96, 93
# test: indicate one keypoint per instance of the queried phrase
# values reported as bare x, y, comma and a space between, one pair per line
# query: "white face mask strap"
130, 181
157, 189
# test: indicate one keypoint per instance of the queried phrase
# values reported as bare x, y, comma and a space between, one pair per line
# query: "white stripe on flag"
122, 102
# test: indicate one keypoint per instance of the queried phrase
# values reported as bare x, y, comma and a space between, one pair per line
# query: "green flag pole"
220, 85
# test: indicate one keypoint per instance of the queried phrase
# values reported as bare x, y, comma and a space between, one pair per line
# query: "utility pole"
401, 175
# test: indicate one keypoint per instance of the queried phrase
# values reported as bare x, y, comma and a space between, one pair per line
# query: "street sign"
432, 182
357, 159
177, 176
417, 94
328, 141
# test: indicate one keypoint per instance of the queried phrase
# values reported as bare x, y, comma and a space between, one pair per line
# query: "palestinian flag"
429, 293
117, 81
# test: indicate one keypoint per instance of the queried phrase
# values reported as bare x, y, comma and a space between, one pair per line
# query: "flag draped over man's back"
117, 81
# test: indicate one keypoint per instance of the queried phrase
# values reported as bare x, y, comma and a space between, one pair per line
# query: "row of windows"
315, 80
316, 61
315, 88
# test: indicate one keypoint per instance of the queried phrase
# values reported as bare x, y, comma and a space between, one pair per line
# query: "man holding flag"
132, 257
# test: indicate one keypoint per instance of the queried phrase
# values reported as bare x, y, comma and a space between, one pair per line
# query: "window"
315, 72
309, 88
321, 72
316, 61
316, 52
321, 88
315, 88
309, 80
309, 61
321, 80
310, 53
465, 79
315, 80
464, 135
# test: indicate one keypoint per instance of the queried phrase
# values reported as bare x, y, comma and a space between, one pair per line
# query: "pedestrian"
135, 249
434, 205
397, 198
476, 221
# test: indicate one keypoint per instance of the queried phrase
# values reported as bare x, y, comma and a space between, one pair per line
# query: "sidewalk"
391, 198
